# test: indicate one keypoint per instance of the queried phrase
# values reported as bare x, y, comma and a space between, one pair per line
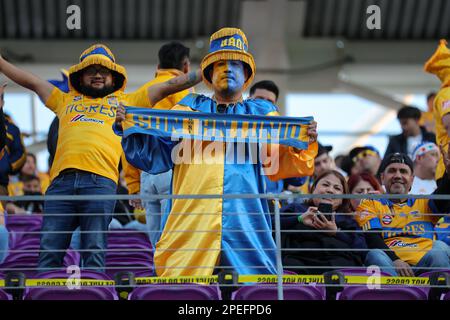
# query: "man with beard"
228, 233
404, 244
88, 152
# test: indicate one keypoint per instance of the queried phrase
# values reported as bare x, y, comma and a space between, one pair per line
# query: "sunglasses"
92, 71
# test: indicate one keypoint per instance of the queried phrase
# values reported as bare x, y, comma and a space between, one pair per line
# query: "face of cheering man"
97, 81
397, 178
228, 77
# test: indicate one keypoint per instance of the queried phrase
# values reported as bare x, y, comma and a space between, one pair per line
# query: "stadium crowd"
94, 151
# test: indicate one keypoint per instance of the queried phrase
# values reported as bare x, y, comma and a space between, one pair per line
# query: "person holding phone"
320, 226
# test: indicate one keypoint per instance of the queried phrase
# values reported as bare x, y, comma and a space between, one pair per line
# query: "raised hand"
120, 114
312, 132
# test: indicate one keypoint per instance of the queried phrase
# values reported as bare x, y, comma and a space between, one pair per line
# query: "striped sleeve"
367, 216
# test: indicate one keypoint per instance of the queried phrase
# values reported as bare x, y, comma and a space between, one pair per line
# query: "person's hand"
403, 268
308, 216
136, 203
120, 114
13, 209
312, 132
322, 223
2, 95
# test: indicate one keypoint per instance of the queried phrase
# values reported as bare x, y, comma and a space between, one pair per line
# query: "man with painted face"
229, 233
88, 152
404, 245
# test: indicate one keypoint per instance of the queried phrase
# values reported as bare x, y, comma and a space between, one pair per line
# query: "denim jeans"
437, 257
155, 184
61, 219
75, 243
4, 242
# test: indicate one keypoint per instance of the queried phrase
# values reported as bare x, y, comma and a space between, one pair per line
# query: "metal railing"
277, 230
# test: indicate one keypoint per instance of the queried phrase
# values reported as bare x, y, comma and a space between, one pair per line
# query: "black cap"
396, 158
323, 149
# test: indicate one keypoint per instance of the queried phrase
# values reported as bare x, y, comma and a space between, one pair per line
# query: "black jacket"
306, 260
52, 140
398, 143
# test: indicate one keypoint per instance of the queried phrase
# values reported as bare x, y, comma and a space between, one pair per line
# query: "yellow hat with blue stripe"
101, 55
228, 44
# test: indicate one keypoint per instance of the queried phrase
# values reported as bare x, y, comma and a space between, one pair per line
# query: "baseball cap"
396, 158
323, 149
423, 148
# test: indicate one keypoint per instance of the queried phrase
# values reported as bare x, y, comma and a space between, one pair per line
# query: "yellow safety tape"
347, 279
306, 279
177, 280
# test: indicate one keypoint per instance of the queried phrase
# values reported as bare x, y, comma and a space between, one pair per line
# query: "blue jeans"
437, 257
75, 243
155, 184
60, 215
4, 243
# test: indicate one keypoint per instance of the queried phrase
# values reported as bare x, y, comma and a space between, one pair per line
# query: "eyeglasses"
92, 71
364, 154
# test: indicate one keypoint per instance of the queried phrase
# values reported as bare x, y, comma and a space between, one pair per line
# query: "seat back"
23, 223
4, 295
175, 292
65, 293
270, 292
383, 293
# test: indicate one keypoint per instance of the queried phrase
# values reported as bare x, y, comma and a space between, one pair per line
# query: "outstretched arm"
26, 79
160, 91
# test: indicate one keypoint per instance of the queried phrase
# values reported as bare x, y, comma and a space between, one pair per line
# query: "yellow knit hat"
228, 44
439, 63
98, 54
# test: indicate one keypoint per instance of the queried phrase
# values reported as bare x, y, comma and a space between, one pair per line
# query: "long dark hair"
345, 206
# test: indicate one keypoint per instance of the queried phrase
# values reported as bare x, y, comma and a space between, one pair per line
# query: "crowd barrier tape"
303, 279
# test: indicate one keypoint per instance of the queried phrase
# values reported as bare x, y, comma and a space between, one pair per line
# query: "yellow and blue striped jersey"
407, 228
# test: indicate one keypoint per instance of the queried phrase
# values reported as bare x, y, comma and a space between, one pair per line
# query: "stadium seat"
438, 290
128, 235
270, 292
127, 264
174, 292
23, 223
64, 293
385, 292
27, 262
4, 295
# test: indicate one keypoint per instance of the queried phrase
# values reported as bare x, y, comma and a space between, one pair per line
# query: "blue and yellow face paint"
228, 76
228, 44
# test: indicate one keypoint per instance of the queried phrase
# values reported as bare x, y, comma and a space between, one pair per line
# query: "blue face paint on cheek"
236, 82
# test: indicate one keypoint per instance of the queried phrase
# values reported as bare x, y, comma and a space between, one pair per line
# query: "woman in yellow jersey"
88, 152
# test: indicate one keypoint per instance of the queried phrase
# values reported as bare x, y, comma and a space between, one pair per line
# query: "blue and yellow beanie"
98, 54
439, 63
228, 44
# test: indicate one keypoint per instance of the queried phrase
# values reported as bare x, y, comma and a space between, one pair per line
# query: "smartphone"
325, 209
